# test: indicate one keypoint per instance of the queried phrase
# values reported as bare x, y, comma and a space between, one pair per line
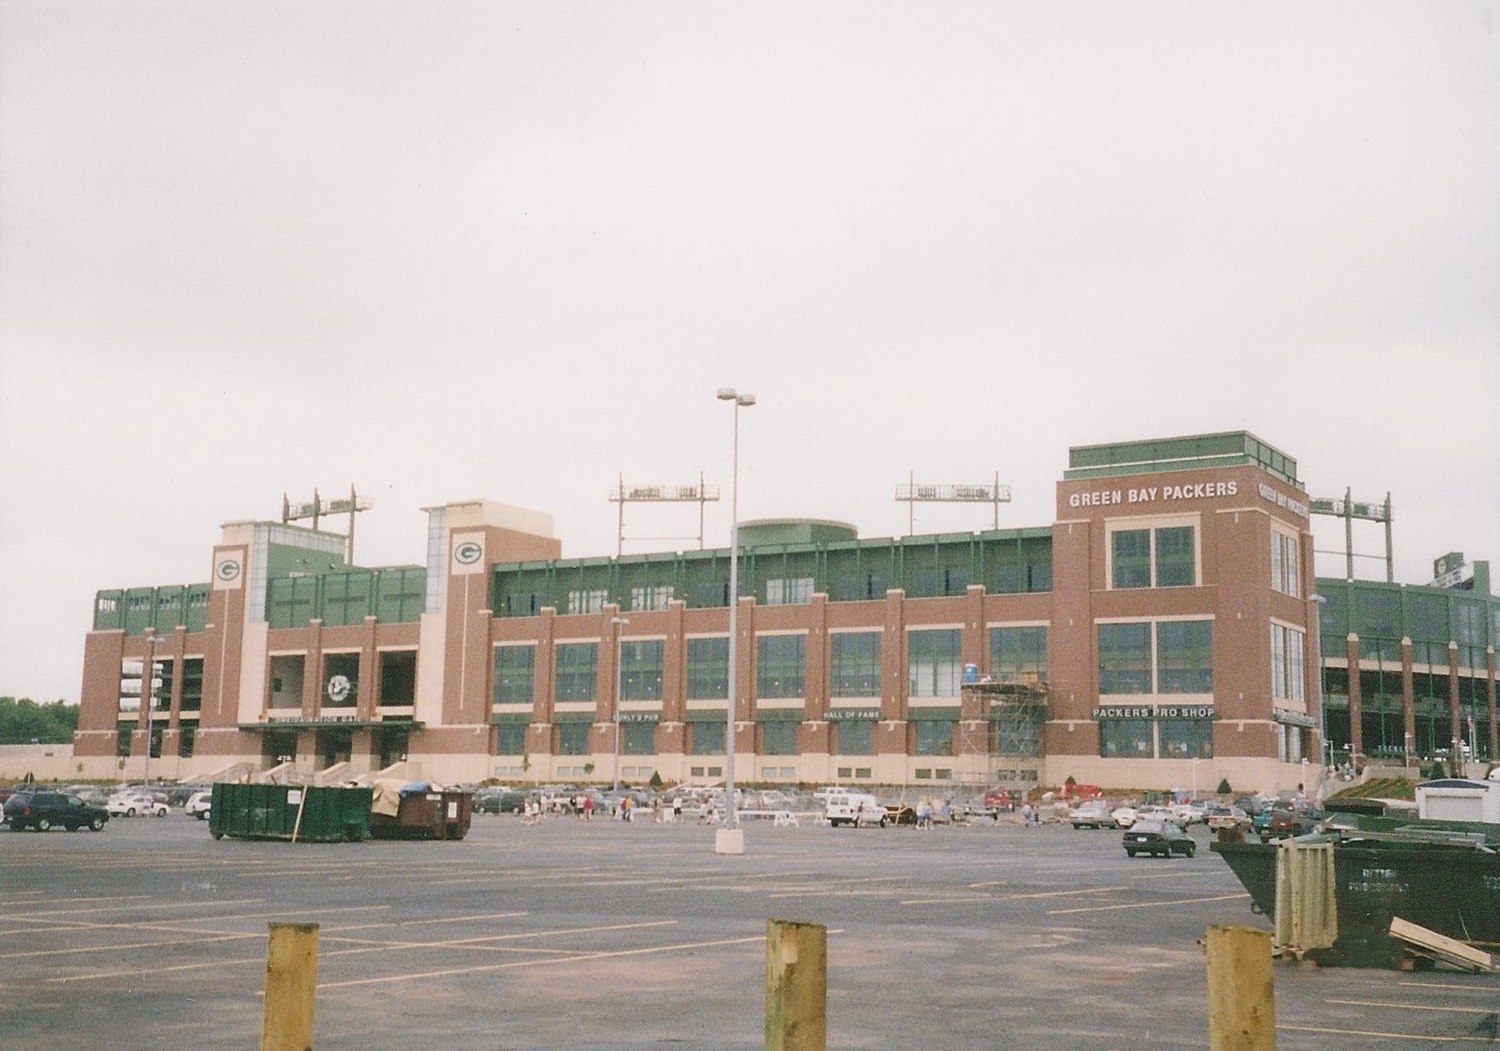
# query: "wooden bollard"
1241, 999
291, 981
796, 986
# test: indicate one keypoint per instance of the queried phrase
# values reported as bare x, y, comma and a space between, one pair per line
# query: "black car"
1161, 838
44, 810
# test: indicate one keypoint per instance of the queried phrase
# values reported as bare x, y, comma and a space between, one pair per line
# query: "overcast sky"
510, 250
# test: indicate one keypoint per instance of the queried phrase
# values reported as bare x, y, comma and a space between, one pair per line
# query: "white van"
854, 808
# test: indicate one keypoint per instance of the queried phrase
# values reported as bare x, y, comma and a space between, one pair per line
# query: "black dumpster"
421, 812
299, 813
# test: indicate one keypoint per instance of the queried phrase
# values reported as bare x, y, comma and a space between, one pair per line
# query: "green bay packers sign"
1153, 711
229, 570
467, 553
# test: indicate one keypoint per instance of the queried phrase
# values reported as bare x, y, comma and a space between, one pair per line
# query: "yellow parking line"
1413, 1007
375, 947
1146, 904
1381, 1035
580, 958
480, 939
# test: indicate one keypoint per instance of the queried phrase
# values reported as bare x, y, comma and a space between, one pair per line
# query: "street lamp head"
619, 620
728, 394
745, 399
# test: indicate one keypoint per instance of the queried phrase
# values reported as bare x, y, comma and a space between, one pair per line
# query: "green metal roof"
1191, 452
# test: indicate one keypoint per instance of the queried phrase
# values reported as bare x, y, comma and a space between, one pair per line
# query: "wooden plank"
291, 981
1241, 997
1440, 945
796, 986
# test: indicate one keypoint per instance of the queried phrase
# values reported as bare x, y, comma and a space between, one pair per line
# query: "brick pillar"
1356, 707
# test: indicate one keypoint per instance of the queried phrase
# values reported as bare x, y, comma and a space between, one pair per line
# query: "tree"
656, 781
1224, 788
24, 721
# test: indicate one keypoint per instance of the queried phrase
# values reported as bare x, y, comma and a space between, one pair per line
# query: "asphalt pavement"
605, 935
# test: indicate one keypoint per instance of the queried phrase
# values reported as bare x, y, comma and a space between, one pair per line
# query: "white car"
1124, 816
130, 806
199, 804
1093, 814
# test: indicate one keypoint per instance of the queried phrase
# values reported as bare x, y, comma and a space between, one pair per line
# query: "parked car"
1227, 817
44, 810
199, 804
1159, 813
1188, 813
1092, 814
131, 805
1286, 822
1124, 816
1159, 838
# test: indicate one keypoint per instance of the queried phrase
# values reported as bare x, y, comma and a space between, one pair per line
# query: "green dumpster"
299, 813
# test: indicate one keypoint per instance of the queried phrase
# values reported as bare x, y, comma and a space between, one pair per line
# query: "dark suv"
44, 810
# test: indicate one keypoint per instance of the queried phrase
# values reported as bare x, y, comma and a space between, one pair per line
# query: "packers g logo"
467, 553
227, 569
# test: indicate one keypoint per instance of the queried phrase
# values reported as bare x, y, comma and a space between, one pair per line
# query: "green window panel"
1176, 559
708, 669
1127, 739
1124, 658
1019, 653
641, 670
1130, 558
1186, 738
198, 595
778, 738
346, 598
573, 738
933, 666
855, 664
510, 739
781, 662
577, 671
401, 595
514, 675
707, 738
638, 739
1378, 613
934, 736
1184, 656
854, 737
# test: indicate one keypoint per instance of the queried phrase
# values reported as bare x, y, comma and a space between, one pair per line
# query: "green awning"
778, 715
932, 715
706, 715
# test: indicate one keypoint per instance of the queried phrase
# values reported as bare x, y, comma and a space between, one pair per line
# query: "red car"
998, 799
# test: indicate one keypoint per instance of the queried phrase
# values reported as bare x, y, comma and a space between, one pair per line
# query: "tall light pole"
619, 627
731, 812
1315, 604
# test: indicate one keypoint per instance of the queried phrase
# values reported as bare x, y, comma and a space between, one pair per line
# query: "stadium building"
1165, 630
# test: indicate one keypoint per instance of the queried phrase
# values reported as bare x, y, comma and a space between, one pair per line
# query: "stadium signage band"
297, 717
1196, 491
1196, 711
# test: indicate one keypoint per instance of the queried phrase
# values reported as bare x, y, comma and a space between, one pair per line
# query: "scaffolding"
1002, 721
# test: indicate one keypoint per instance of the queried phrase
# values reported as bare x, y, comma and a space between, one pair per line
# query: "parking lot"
601, 934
